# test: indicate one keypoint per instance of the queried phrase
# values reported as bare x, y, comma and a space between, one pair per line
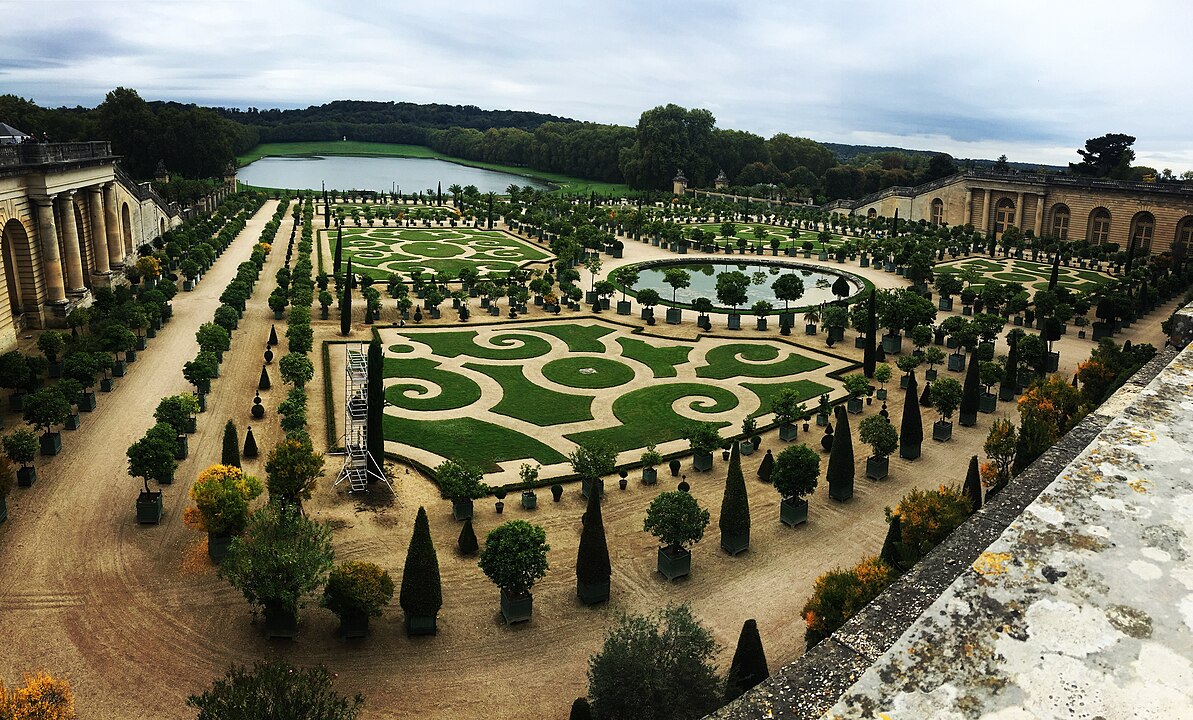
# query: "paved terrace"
1070, 595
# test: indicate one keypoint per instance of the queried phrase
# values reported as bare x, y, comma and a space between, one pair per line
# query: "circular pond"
818, 281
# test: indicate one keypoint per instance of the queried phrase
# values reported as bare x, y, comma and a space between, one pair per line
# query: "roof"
7, 130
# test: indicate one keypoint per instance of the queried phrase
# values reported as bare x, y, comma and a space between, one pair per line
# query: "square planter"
54, 369
760, 323
788, 432
956, 363
945, 303
189, 424
702, 462
647, 313
735, 544
529, 500
280, 621
462, 509
421, 625
745, 447
930, 374
26, 475
907, 451
1052, 362
877, 467
674, 563
704, 322
87, 401
650, 476
51, 443
592, 593
119, 368
149, 507
588, 486
623, 307
73, 421
892, 344
354, 625
810, 328
182, 449
218, 546
987, 402
854, 406
674, 316
859, 342
942, 430
516, 609
142, 342
793, 512
735, 322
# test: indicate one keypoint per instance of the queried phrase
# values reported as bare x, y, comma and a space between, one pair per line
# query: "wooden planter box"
854, 406
592, 593
735, 544
149, 507
942, 430
650, 476
73, 421
218, 546
674, 564
623, 307
280, 621
877, 467
462, 509
588, 486
702, 462
930, 374
51, 443
674, 316
119, 368
788, 432
892, 344
26, 475
793, 512
956, 363
735, 322
516, 609
182, 449
987, 402
745, 447
87, 401
421, 625
646, 313
529, 500
760, 323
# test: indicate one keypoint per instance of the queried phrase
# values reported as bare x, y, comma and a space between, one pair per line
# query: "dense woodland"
196, 142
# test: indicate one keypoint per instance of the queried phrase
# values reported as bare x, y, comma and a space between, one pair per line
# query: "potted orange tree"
221, 494
356, 591
514, 558
678, 521
21, 447
461, 483
877, 432
795, 474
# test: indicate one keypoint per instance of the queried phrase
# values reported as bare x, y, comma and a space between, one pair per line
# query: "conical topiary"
765, 467
890, 546
273, 336
580, 710
264, 383
870, 354
911, 427
231, 450
749, 662
926, 395
421, 594
1010, 378
346, 302
973, 485
250, 444
467, 540
592, 558
339, 253
375, 438
968, 413
840, 460
735, 507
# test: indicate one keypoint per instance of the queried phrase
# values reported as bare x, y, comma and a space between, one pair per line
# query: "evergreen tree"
1010, 378
592, 558
869, 357
749, 662
346, 303
467, 540
250, 445
231, 451
374, 433
335, 268
926, 395
580, 710
1052, 279
973, 485
969, 396
890, 546
765, 467
911, 427
840, 460
273, 336
421, 592
735, 504
264, 383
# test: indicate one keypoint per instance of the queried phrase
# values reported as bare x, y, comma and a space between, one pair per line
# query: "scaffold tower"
359, 464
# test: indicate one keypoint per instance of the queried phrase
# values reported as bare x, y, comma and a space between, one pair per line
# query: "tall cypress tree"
592, 559
346, 303
421, 593
911, 427
973, 484
890, 546
1055, 272
840, 460
969, 396
749, 662
869, 357
336, 259
231, 450
735, 504
1010, 379
374, 434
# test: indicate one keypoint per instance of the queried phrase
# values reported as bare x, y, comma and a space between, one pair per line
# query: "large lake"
412, 175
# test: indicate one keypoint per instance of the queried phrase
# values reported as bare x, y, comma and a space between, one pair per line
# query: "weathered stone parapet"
1182, 327
1050, 568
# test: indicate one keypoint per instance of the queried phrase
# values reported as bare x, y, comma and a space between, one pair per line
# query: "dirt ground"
137, 619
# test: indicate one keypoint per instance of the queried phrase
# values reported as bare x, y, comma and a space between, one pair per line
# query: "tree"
222, 494
46, 408
946, 396
177, 411
840, 460
911, 426
970, 394
973, 484
374, 432
357, 589
51, 344
346, 302
870, 353
43, 697
213, 338
749, 662
669, 138
796, 472
1108, 156
927, 517
282, 557
152, 457
296, 369
678, 280
676, 519
592, 461
460, 481
786, 406
275, 690
838, 595
732, 287
877, 432
231, 450
655, 667
735, 503
515, 556
1000, 447
421, 592
291, 470
592, 558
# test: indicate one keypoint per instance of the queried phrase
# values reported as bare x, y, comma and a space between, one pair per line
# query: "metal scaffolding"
359, 464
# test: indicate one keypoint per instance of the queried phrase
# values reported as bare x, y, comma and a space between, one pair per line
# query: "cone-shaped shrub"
1010, 377
749, 662
592, 559
467, 540
250, 444
969, 395
911, 427
346, 303
840, 460
765, 467
264, 383
339, 254
735, 504
890, 546
973, 485
231, 450
870, 354
421, 591
926, 395
273, 336
580, 710
374, 435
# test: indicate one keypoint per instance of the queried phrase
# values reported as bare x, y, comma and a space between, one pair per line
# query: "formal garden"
381, 251
1035, 275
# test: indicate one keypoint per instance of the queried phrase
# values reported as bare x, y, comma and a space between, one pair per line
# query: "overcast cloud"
1026, 78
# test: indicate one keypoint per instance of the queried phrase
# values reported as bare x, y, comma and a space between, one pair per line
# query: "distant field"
565, 183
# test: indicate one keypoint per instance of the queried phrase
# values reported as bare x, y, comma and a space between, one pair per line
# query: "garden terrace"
1030, 274
378, 252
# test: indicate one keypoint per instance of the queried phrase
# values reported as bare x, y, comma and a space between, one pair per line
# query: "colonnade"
63, 269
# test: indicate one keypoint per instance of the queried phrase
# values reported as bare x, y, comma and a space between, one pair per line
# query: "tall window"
1184, 235
1060, 222
1099, 226
1004, 216
937, 211
1143, 226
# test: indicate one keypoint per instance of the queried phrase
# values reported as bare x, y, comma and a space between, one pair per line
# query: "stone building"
1155, 216
70, 219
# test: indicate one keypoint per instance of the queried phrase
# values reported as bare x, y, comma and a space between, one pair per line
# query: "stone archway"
20, 280
126, 229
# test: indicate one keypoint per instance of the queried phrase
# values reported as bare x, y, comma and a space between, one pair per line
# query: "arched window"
872, 213
1184, 236
1060, 222
1099, 226
1004, 216
937, 211
1143, 226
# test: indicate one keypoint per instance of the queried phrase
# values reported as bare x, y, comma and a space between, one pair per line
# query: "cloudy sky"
974, 78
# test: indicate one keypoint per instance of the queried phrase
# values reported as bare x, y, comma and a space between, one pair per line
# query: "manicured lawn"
523, 400
579, 338
469, 440
379, 252
509, 346
660, 360
646, 415
455, 390
1033, 275
723, 362
806, 389
568, 372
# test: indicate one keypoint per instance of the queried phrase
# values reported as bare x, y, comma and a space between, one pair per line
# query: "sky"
975, 78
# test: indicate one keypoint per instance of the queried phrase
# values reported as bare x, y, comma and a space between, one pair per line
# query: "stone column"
986, 212
47, 232
71, 251
112, 226
99, 240
1039, 214
1019, 210
968, 206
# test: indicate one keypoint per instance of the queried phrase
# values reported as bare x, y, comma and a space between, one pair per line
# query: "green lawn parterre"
1033, 275
655, 388
379, 251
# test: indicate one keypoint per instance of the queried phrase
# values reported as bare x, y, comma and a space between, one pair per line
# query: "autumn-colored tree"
292, 468
1000, 450
43, 697
839, 594
926, 517
1054, 402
